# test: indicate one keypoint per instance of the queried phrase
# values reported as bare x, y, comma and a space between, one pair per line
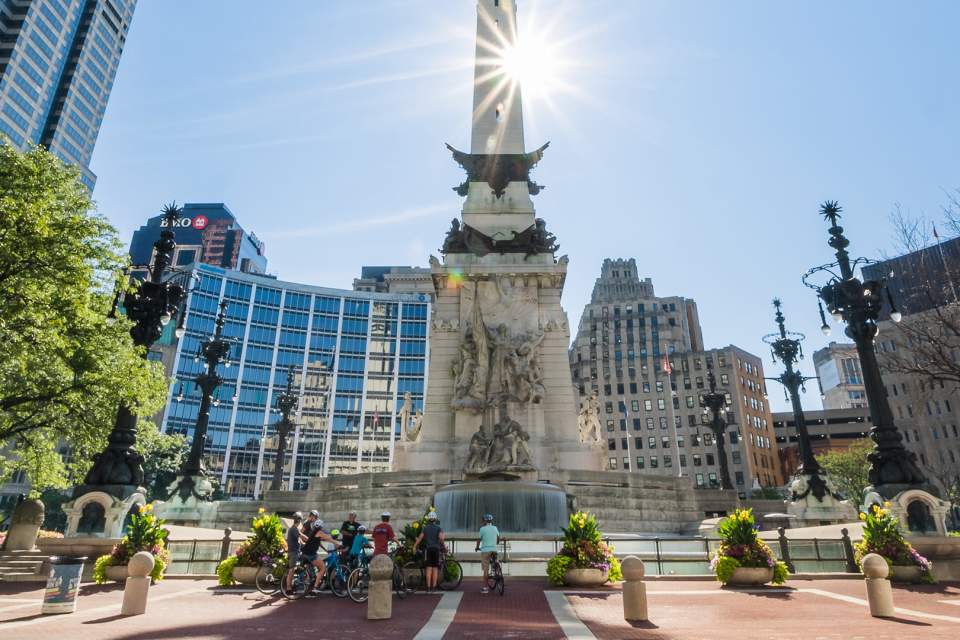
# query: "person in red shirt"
382, 534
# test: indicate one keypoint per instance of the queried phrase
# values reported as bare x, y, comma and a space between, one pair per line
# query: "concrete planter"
245, 575
751, 576
117, 572
906, 573
585, 577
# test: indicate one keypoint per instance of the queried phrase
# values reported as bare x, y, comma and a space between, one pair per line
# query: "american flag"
667, 367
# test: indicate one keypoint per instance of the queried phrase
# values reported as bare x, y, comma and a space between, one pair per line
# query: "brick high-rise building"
653, 420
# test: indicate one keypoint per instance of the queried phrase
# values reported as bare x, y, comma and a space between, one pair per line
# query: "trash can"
63, 584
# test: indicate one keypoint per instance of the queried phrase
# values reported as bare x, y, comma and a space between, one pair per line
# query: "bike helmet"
335, 533
315, 513
385, 514
488, 518
317, 525
432, 516
361, 529
297, 516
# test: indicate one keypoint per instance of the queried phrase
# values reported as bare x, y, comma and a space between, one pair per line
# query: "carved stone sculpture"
404, 413
413, 432
589, 419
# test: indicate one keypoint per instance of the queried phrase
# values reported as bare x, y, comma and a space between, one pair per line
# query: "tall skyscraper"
207, 233
841, 380
58, 59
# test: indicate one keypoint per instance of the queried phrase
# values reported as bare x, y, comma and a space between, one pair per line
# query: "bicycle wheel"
300, 583
499, 586
358, 584
266, 582
413, 575
399, 584
337, 581
451, 576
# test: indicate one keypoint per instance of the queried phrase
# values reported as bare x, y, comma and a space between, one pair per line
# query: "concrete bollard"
879, 592
634, 590
380, 594
138, 584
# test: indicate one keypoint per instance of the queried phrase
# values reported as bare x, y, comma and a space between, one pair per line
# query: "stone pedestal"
919, 512
500, 397
810, 511
137, 585
380, 597
100, 514
190, 502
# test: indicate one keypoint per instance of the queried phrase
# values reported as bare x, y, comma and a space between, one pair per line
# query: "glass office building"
353, 354
58, 60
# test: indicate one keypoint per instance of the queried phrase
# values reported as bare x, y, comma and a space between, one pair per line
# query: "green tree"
64, 367
849, 468
163, 454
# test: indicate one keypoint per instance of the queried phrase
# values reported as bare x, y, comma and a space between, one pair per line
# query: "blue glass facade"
354, 354
58, 60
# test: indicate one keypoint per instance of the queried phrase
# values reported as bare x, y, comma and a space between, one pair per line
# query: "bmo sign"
197, 222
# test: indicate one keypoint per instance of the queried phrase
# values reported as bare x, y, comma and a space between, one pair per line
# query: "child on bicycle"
358, 547
487, 546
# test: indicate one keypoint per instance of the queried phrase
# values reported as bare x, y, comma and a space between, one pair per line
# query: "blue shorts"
309, 557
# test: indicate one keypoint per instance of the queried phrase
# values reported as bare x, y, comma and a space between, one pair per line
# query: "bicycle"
301, 582
494, 577
336, 574
266, 580
451, 574
358, 583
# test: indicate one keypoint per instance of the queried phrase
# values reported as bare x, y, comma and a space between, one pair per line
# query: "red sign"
200, 222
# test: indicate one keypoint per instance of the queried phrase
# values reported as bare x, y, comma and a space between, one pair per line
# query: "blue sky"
697, 137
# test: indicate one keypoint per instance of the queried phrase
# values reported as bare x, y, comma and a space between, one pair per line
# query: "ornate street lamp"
786, 345
214, 351
858, 304
118, 469
715, 402
286, 404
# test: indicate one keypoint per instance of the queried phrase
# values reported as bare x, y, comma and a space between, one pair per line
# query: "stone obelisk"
499, 401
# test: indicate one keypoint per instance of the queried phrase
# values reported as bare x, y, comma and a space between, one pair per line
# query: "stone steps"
22, 566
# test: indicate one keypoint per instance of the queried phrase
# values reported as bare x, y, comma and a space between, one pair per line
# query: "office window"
635, 405
639, 462
699, 477
683, 460
651, 442
638, 443
626, 463
612, 444
613, 463
697, 460
653, 462
739, 478
649, 423
648, 405
667, 461
710, 459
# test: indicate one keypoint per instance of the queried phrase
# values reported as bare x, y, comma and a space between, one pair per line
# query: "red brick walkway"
521, 612
682, 610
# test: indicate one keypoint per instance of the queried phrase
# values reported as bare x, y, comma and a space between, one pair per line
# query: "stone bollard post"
879, 592
138, 584
380, 594
634, 590
24, 526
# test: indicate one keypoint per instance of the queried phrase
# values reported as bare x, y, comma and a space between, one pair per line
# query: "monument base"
190, 502
100, 514
919, 511
810, 512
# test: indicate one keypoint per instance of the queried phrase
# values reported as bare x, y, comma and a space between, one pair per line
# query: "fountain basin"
517, 506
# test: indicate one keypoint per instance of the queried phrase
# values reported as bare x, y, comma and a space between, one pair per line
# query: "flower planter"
117, 572
910, 573
751, 576
585, 577
245, 575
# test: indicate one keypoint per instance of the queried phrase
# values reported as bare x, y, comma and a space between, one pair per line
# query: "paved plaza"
680, 610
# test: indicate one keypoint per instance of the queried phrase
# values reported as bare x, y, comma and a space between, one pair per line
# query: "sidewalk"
679, 610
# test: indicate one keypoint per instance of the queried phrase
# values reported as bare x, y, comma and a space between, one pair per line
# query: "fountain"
518, 506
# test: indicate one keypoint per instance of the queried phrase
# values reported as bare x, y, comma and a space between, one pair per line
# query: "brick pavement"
681, 610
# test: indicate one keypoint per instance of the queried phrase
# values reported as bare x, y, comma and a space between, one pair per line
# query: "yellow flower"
261, 510
416, 525
863, 516
887, 504
147, 507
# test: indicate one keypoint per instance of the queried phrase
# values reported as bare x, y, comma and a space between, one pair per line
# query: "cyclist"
310, 549
294, 540
432, 539
382, 534
358, 547
349, 529
487, 545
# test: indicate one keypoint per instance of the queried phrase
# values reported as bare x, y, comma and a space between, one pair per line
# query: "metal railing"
662, 555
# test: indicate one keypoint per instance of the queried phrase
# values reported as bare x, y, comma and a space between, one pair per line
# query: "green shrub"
881, 535
780, 572
100, 568
557, 568
615, 574
725, 566
225, 571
